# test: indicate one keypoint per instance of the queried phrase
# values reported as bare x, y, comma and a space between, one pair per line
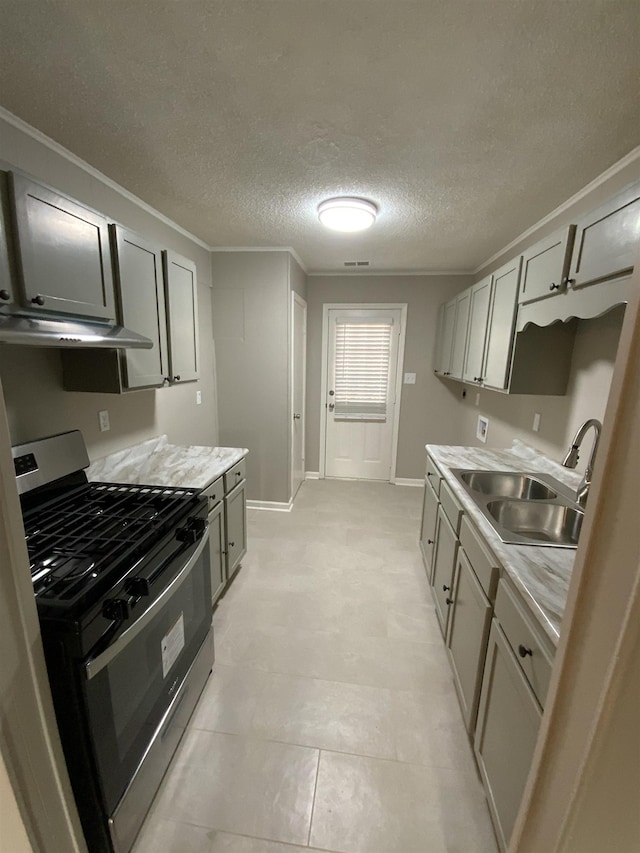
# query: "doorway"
298, 390
363, 351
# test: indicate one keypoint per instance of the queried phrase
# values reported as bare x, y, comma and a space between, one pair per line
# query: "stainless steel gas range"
121, 576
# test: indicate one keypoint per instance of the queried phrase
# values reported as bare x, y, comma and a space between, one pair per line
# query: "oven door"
131, 684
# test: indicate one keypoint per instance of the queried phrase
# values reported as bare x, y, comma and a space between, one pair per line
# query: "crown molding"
627, 160
52, 145
288, 249
394, 273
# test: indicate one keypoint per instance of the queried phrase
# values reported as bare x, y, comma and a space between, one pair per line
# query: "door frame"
295, 297
362, 306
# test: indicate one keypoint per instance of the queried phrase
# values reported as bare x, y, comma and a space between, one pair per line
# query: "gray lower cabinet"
469, 623
444, 562
181, 297
63, 257
506, 733
235, 527
606, 242
217, 548
429, 520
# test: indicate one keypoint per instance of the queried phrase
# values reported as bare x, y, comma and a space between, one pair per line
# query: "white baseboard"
312, 475
407, 481
273, 506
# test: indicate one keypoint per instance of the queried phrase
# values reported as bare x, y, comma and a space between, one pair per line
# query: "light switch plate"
409, 379
103, 420
483, 428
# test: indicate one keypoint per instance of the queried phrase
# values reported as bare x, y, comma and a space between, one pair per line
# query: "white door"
362, 353
298, 371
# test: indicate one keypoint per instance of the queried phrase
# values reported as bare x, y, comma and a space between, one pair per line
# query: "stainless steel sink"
525, 508
551, 523
507, 484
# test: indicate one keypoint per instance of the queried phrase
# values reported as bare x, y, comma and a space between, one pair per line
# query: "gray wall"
251, 331
36, 403
428, 409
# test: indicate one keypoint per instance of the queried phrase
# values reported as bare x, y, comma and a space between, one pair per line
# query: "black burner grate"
73, 541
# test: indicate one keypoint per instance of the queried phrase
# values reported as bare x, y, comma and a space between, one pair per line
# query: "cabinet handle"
429, 541
445, 588
4, 294
449, 600
38, 300
523, 651
554, 286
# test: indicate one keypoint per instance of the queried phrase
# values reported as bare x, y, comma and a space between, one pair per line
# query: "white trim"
52, 145
408, 481
630, 158
394, 273
288, 249
312, 475
273, 506
295, 297
383, 306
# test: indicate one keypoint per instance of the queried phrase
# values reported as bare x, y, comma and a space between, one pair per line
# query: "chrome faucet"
571, 459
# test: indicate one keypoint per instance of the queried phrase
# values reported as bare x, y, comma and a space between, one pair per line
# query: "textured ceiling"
464, 121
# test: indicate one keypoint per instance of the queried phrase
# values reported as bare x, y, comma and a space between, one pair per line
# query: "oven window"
127, 699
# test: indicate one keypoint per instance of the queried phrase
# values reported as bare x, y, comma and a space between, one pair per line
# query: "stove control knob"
192, 532
137, 587
116, 609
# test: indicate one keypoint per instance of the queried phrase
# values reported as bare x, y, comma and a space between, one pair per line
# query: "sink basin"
537, 521
507, 485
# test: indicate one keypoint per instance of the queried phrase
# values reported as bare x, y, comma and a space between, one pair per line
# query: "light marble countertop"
157, 463
540, 573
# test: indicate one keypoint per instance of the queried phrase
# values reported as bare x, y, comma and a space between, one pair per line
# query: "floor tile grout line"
313, 801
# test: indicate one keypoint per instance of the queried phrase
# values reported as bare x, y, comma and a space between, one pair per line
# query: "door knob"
297, 417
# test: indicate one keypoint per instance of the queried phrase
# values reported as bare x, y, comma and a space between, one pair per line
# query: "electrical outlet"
103, 420
536, 422
483, 428
409, 379
198, 398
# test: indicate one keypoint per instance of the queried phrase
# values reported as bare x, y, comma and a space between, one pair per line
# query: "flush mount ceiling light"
347, 214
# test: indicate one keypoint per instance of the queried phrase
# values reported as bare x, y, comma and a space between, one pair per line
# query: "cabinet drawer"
433, 475
215, 492
531, 652
484, 564
235, 475
450, 505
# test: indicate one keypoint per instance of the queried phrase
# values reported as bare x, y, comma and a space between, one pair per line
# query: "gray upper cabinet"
606, 241
6, 284
437, 350
182, 317
448, 328
459, 346
502, 318
545, 266
140, 289
62, 249
479, 315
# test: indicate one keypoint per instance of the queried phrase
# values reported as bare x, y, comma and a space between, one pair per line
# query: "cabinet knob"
4, 294
38, 300
175, 378
445, 588
429, 541
554, 286
449, 600
569, 281
231, 544
523, 651
297, 417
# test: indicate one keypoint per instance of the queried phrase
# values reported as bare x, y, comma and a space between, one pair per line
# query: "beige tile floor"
330, 722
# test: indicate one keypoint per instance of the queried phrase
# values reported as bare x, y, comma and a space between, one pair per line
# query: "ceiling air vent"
357, 263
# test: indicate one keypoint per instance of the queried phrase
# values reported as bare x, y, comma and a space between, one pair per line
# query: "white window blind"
362, 358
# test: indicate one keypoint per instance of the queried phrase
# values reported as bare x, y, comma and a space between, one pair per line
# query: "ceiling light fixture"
347, 214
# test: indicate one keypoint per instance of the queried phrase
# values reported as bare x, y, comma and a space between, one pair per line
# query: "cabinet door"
62, 251
444, 561
459, 348
6, 285
606, 241
181, 290
545, 266
447, 336
478, 317
141, 300
429, 519
469, 624
438, 348
502, 319
217, 550
506, 733
236, 527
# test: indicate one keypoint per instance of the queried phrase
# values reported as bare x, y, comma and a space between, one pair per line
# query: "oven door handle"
94, 666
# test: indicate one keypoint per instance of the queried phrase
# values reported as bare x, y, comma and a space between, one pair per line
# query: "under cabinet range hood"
59, 332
